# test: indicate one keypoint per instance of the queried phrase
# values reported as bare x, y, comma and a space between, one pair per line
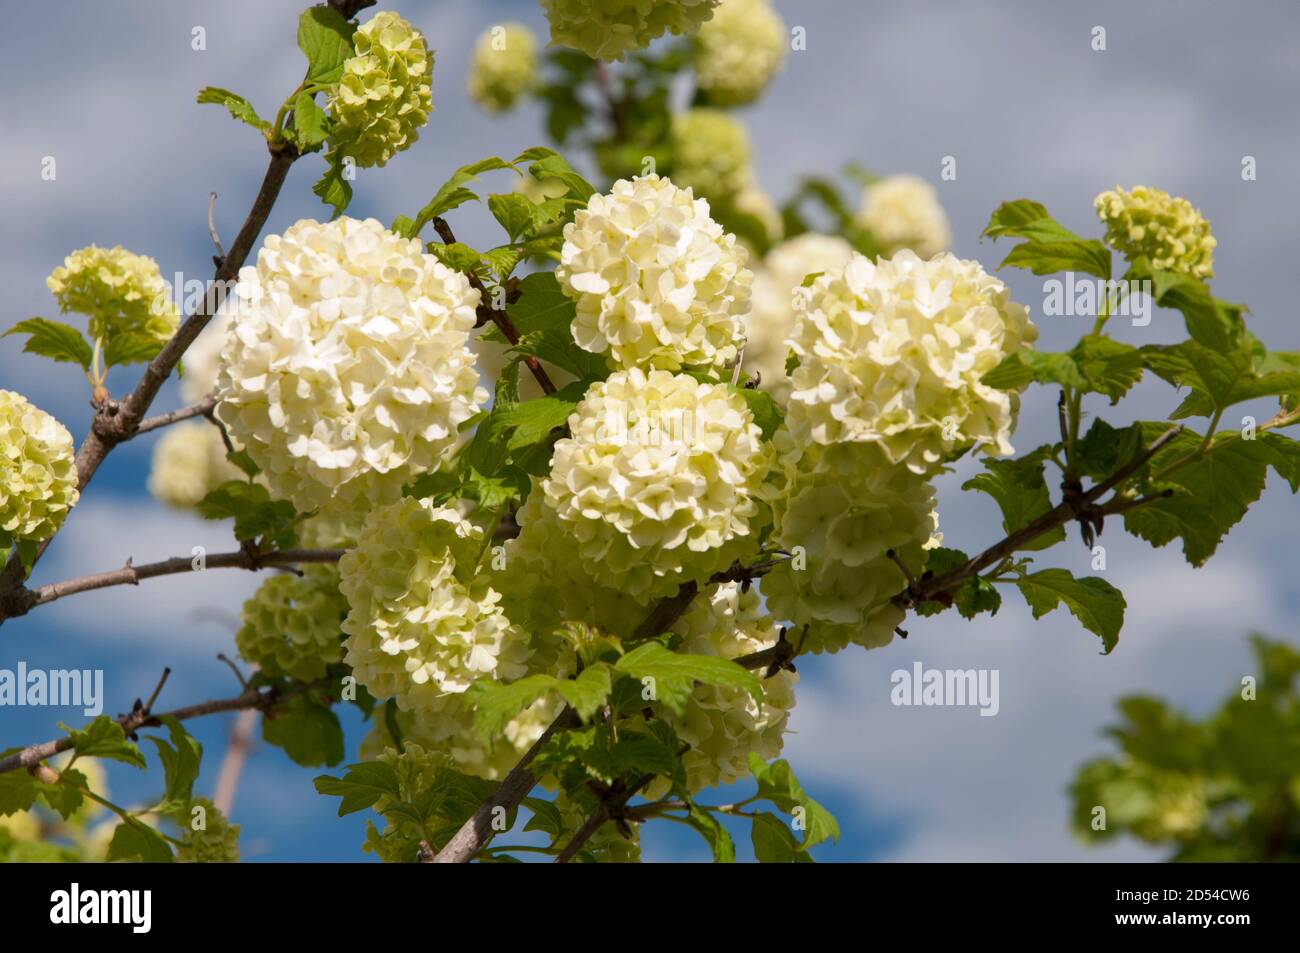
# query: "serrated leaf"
1097, 604
1218, 380
773, 842
325, 38
714, 834
256, 515
452, 193
64, 797
532, 421
495, 703
1215, 324
135, 839
1020, 490
55, 340
1023, 218
587, 692
17, 792
634, 753
361, 786
675, 673
514, 212
777, 783
180, 760
104, 738
237, 105
546, 817
1047, 258
310, 123
1104, 449
549, 164
1096, 364
333, 187
308, 732
131, 348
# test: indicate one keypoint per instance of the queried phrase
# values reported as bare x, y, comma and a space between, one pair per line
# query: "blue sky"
1013, 91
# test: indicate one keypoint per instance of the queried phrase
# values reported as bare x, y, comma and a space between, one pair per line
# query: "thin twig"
220, 256
611, 806
202, 409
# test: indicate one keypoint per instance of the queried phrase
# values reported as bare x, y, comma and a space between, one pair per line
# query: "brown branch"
611, 807
212, 230
24, 600
496, 315
142, 717
116, 421
203, 408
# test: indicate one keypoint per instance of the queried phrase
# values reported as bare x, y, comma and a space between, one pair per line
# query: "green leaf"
778, 784
361, 786
1211, 322
1097, 604
635, 752
308, 732
254, 512
495, 703
452, 194
333, 187
1023, 218
773, 842
1048, 258
1104, 449
1096, 364
543, 315
135, 839
1211, 496
1020, 490
325, 37
131, 348
180, 761
238, 106
977, 595
65, 797
1218, 380
458, 256
675, 673
514, 212
767, 415
310, 123
714, 834
546, 817
532, 421
549, 164
17, 792
586, 693
55, 340
104, 738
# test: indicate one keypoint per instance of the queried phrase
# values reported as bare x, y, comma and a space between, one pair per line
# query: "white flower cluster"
777, 284
608, 29
658, 482
903, 212
38, 473
844, 507
711, 154
739, 51
423, 622
504, 67
721, 724
348, 372
656, 280
892, 353
189, 462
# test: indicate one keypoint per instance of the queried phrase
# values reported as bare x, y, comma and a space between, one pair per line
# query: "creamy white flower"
739, 51
724, 725
423, 620
607, 29
348, 373
189, 462
658, 482
903, 211
777, 283
839, 510
892, 353
656, 280
38, 472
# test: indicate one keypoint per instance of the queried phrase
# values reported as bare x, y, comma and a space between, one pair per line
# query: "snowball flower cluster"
384, 95
658, 482
711, 153
777, 284
504, 67
348, 372
291, 624
608, 29
1151, 223
892, 353
38, 474
119, 291
189, 462
903, 211
656, 280
423, 621
739, 51
840, 510
724, 724
217, 842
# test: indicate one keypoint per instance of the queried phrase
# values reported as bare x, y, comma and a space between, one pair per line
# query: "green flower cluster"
608, 29
504, 67
292, 625
384, 96
1151, 223
216, 843
711, 154
119, 291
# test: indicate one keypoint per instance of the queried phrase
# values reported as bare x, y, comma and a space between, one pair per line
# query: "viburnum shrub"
559, 515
